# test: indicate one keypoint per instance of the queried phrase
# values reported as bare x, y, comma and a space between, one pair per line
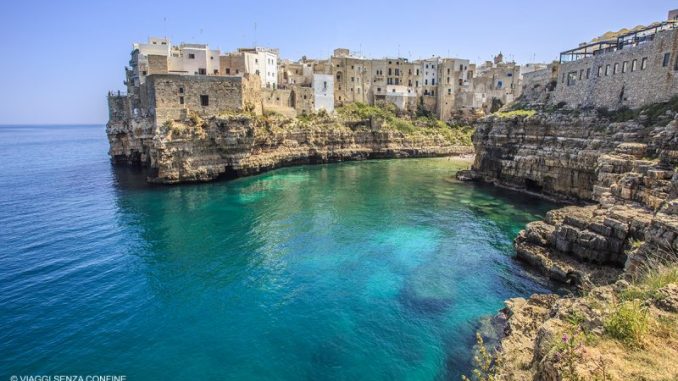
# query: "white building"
323, 92
264, 63
429, 71
401, 96
194, 59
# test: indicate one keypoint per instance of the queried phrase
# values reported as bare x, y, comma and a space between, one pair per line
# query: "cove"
375, 270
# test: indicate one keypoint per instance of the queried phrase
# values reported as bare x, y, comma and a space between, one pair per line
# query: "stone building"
495, 84
537, 86
352, 77
171, 97
259, 61
633, 69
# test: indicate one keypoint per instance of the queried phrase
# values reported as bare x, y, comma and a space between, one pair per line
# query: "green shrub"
629, 322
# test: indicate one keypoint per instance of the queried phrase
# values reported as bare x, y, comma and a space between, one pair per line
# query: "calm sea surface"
377, 270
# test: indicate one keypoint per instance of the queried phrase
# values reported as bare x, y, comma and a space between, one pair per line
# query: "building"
262, 62
323, 92
629, 70
495, 84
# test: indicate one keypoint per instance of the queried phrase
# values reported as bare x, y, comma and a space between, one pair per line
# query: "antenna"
255, 35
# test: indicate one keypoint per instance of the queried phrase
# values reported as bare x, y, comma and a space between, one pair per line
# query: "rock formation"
241, 144
622, 178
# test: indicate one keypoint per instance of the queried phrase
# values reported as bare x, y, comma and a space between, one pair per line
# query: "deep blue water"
375, 270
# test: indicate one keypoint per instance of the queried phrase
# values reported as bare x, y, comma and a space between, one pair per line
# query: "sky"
61, 57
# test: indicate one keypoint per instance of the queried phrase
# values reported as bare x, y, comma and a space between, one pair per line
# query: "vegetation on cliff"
412, 125
628, 330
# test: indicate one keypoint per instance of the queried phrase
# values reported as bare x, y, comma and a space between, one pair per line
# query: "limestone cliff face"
240, 145
624, 171
623, 179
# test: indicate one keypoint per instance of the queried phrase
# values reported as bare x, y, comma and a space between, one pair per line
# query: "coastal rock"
239, 145
627, 170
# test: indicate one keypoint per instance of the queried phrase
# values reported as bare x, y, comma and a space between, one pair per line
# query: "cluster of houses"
444, 87
624, 69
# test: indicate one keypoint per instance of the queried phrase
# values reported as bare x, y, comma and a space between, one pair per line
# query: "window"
600, 70
448, 80
571, 78
588, 73
509, 75
324, 85
202, 71
500, 84
426, 82
191, 56
216, 71
417, 71
143, 72
634, 65
616, 68
181, 100
643, 63
256, 60
228, 70
416, 83
352, 79
607, 70
389, 71
433, 92
181, 90
461, 67
204, 100
581, 74
378, 89
667, 58
449, 91
433, 82
625, 66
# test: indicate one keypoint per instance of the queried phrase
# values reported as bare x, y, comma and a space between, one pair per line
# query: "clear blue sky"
60, 57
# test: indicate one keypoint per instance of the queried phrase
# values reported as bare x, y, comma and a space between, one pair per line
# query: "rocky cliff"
234, 145
622, 177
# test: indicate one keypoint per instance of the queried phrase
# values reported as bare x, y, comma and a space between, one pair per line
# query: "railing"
117, 94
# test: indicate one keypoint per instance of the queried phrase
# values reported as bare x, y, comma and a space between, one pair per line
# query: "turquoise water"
375, 270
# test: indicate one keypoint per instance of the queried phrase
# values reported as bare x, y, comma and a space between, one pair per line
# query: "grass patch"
628, 323
653, 280
515, 113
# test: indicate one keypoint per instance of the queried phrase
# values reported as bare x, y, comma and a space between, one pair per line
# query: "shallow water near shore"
375, 270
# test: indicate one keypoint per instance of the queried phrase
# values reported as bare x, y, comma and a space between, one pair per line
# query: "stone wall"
593, 82
157, 64
538, 86
167, 92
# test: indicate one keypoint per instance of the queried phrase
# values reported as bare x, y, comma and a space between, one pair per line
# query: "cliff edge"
203, 148
620, 173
